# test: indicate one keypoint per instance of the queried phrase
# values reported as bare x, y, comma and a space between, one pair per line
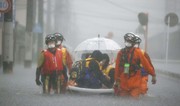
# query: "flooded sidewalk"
170, 68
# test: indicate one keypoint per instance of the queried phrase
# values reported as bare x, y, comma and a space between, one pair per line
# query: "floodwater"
19, 89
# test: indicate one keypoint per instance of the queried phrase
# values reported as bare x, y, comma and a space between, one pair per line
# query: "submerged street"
59, 33
19, 89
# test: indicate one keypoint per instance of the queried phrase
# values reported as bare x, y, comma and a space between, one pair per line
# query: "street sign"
173, 19
37, 28
5, 6
143, 18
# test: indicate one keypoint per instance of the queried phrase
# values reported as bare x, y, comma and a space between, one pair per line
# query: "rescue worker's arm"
68, 61
146, 64
94, 66
148, 58
111, 75
38, 69
117, 68
40, 60
117, 73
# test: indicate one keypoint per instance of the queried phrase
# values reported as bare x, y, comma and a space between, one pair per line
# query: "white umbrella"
105, 45
102, 44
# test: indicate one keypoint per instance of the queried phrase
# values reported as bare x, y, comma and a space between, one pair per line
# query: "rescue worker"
50, 67
67, 60
91, 75
144, 84
128, 70
107, 68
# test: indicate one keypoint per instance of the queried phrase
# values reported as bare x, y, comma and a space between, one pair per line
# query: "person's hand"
38, 73
116, 88
116, 84
38, 82
106, 76
153, 79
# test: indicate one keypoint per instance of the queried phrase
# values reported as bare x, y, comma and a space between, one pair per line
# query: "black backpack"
76, 69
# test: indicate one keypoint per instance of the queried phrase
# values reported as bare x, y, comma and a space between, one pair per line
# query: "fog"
88, 18
79, 20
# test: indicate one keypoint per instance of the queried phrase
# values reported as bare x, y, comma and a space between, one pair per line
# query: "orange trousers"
144, 84
133, 92
130, 85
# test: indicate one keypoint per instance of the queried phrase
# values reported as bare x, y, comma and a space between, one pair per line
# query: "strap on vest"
124, 59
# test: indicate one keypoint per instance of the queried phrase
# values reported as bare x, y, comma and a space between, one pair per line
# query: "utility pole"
8, 39
50, 16
146, 35
171, 20
143, 20
1, 27
29, 34
40, 23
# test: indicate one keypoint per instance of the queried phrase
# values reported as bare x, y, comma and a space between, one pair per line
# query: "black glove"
153, 80
38, 82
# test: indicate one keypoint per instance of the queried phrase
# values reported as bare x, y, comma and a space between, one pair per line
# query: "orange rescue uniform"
131, 84
144, 84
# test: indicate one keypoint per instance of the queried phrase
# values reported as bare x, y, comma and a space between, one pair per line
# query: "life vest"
67, 61
85, 66
107, 70
133, 79
79, 66
88, 61
52, 62
127, 57
87, 77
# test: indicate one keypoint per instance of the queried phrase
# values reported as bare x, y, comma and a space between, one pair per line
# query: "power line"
121, 7
104, 17
125, 8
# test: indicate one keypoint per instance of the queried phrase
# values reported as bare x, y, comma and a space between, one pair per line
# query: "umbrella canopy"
102, 44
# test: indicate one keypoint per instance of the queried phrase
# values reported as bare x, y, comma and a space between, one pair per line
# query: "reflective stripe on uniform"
64, 55
107, 70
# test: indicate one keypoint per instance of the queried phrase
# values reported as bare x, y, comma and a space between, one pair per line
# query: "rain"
25, 23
